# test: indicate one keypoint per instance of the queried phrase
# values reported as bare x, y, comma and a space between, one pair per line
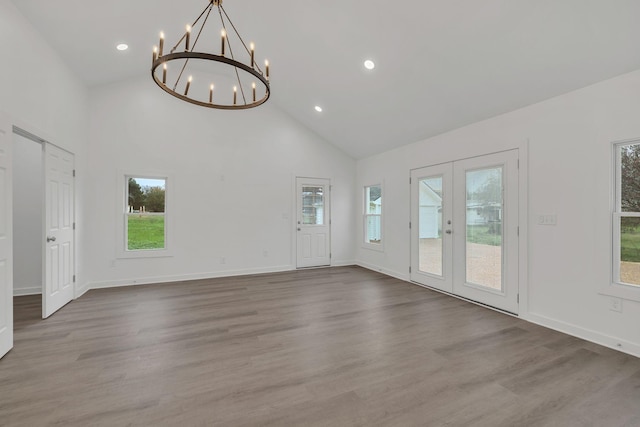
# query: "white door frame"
6, 238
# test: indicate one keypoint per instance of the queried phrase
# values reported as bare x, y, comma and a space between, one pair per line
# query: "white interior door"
59, 225
6, 243
464, 228
313, 222
486, 249
431, 238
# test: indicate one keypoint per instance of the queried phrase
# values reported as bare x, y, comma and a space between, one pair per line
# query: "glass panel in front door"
484, 227
430, 225
313, 205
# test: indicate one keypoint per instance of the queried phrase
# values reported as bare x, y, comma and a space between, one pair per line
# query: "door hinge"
409, 269
518, 298
74, 278
409, 225
74, 225
409, 180
518, 163
74, 173
518, 231
330, 254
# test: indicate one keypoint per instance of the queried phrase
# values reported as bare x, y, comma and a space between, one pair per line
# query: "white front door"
313, 222
464, 237
59, 225
6, 242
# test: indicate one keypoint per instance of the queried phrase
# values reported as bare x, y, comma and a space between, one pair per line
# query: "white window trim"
367, 245
121, 217
615, 287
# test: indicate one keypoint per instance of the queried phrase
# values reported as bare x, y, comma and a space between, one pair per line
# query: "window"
144, 221
626, 215
373, 215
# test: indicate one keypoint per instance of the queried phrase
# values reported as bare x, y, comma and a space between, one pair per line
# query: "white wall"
41, 95
233, 176
27, 216
569, 175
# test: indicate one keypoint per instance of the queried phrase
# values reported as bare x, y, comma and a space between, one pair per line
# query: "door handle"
51, 239
298, 228
448, 231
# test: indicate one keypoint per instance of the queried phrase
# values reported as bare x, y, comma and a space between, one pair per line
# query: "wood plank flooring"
328, 347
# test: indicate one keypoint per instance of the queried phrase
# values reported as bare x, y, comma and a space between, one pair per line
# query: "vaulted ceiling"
440, 64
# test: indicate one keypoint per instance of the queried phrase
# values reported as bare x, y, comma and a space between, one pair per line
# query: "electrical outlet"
615, 304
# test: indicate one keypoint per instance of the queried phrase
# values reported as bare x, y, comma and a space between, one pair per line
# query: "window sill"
627, 292
157, 253
378, 247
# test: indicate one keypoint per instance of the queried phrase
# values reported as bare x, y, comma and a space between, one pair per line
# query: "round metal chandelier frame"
160, 61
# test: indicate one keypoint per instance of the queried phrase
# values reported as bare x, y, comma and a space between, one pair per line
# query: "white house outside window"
373, 215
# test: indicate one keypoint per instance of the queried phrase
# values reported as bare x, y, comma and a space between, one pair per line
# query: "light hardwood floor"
329, 347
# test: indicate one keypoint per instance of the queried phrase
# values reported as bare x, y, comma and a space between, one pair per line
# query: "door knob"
51, 239
448, 231
298, 228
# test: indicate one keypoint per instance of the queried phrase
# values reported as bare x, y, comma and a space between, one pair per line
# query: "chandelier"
214, 80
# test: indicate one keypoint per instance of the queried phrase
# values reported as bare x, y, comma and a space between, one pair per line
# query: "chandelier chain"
220, 10
195, 42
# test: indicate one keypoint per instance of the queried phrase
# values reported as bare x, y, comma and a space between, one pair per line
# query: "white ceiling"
440, 64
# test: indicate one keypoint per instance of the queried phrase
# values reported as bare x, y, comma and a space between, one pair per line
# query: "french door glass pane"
373, 229
630, 250
430, 225
484, 227
313, 205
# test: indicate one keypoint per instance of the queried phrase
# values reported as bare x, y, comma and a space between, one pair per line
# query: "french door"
464, 234
313, 222
59, 226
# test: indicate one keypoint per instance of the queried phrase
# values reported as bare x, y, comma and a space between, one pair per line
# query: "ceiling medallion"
244, 85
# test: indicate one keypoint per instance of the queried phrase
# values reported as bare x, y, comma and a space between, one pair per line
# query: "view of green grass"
630, 243
145, 231
482, 234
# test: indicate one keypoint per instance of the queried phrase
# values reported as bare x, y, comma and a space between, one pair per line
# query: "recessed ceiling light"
122, 46
318, 109
369, 64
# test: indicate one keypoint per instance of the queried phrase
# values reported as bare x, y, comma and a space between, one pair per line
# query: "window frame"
365, 215
123, 252
616, 287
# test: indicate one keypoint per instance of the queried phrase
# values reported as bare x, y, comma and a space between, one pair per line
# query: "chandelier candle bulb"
253, 86
235, 93
266, 64
164, 73
223, 35
155, 53
161, 44
188, 37
253, 48
211, 94
186, 90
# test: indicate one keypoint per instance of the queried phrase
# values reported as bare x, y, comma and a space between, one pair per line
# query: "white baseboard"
397, 275
342, 263
185, 277
586, 334
31, 290
81, 290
